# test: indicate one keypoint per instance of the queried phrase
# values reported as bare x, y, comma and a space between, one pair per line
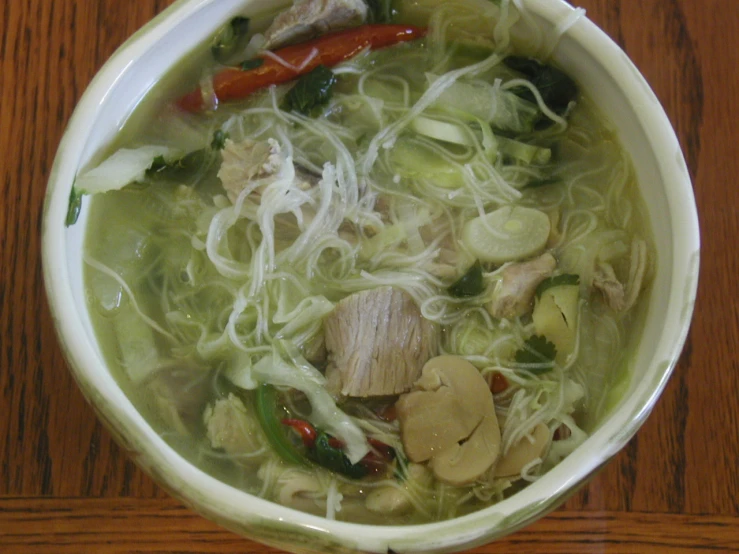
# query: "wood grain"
66, 487
106, 525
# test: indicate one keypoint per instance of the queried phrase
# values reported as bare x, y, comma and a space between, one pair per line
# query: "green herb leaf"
557, 281
380, 11
469, 284
536, 183
254, 63
334, 459
537, 350
75, 207
178, 169
557, 88
230, 39
219, 140
311, 91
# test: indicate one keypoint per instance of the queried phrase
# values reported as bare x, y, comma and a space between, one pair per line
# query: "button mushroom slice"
450, 420
514, 293
465, 462
448, 403
310, 18
526, 450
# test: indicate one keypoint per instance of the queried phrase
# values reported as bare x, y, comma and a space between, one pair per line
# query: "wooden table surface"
66, 487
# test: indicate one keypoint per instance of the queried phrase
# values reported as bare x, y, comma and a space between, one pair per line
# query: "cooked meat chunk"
246, 162
621, 297
514, 293
378, 342
607, 283
230, 426
179, 393
310, 18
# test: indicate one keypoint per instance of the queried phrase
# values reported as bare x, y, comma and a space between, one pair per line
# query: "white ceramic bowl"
606, 75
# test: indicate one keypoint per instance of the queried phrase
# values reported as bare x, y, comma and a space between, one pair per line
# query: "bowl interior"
620, 92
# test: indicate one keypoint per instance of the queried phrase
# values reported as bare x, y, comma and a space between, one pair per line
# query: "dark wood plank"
69, 525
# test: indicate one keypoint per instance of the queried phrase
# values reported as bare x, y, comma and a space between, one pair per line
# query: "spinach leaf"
230, 39
219, 140
311, 91
334, 459
469, 284
177, 169
380, 11
557, 88
536, 183
253, 63
537, 350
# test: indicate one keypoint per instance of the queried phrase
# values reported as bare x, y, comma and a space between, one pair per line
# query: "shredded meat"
378, 342
231, 427
618, 296
310, 18
515, 291
254, 163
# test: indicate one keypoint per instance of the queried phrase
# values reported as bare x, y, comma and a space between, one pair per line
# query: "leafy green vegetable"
274, 430
219, 140
179, 168
537, 350
254, 63
536, 183
334, 459
469, 284
189, 164
557, 281
311, 91
230, 39
75, 207
556, 88
380, 11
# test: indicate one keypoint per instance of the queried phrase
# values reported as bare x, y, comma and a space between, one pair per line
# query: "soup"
376, 262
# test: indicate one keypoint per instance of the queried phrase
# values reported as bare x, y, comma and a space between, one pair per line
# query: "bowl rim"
241, 508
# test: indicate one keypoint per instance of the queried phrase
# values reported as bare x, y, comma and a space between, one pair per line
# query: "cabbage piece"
125, 166
301, 375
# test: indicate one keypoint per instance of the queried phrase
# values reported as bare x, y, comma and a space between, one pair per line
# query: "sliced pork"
514, 293
378, 342
311, 18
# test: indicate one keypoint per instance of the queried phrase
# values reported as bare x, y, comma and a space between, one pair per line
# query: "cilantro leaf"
537, 350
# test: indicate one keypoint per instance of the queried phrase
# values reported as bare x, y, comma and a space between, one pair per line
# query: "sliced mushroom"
450, 416
464, 462
514, 293
526, 450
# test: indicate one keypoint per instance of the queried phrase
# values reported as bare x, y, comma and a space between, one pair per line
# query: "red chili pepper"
306, 431
498, 383
331, 49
